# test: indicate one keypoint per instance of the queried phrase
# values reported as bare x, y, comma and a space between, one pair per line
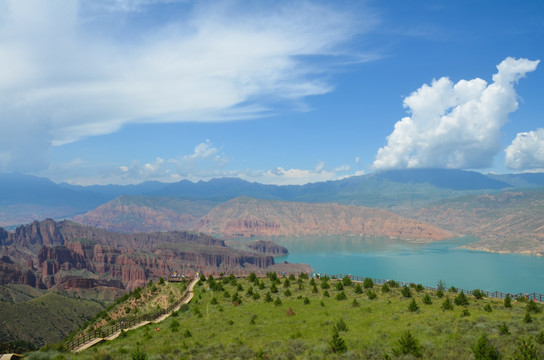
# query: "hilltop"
277, 317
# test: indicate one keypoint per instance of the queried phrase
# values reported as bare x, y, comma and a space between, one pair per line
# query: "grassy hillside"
269, 319
46, 319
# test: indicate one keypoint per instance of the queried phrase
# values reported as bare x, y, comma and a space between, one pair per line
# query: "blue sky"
124, 91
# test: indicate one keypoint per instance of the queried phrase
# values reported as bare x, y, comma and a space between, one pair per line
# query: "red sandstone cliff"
246, 217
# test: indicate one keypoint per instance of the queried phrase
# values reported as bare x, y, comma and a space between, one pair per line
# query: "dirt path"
189, 291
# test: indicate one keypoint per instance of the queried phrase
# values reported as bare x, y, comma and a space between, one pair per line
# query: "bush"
487, 308
427, 299
461, 299
306, 301
408, 345
447, 304
503, 329
287, 293
532, 307
339, 286
341, 296
419, 287
540, 338
368, 283
274, 288
268, 297
340, 326
358, 289
347, 281
371, 295
478, 294
453, 289
314, 289
326, 293
174, 325
277, 302
413, 307
354, 303
484, 350
406, 292
526, 350
325, 285
508, 301
337, 344
465, 312
252, 277
286, 283
138, 354
213, 301
439, 294
256, 296
385, 288
527, 318
393, 284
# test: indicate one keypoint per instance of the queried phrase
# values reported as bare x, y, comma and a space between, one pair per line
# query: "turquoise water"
418, 263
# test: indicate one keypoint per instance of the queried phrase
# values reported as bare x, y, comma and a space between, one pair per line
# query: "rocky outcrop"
123, 260
247, 217
11, 273
267, 247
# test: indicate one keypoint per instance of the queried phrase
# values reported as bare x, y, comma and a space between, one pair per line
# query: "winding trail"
188, 292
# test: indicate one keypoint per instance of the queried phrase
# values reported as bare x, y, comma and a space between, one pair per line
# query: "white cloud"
526, 151
454, 125
74, 69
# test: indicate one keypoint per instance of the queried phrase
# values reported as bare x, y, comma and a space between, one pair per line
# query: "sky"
276, 92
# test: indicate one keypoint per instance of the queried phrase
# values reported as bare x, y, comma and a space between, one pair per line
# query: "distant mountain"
130, 213
511, 221
24, 198
248, 217
524, 180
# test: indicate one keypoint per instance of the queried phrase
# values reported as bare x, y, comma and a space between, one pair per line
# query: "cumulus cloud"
74, 69
526, 151
454, 125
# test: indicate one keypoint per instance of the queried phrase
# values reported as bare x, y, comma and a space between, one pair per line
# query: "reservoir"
384, 258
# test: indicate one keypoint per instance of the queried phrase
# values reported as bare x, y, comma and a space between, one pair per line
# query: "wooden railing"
108, 331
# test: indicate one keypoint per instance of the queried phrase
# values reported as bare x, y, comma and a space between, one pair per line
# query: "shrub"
368, 283
508, 301
371, 295
341, 296
503, 329
354, 303
273, 288
478, 294
174, 325
413, 307
527, 318
419, 287
340, 326
408, 345
339, 286
347, 281
306, 301
337, 344
286, 283
292, 277
256, 296
461, 299
326, 293
303, 276
465, 312
447, 304
325, 285
312, 281
487, 308
453, 289
358, 289
484, 350
253, 318
268, 297
213, 301
188, 334
393, 284
287, 293
540, 338
439, 294
138, 354
533, 307
441, 285
526, 350
252, 277
385, 288
161, 281
427, 299
406, 292
277, 302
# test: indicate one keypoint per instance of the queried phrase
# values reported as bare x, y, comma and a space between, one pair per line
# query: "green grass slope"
267, 319
45, 319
